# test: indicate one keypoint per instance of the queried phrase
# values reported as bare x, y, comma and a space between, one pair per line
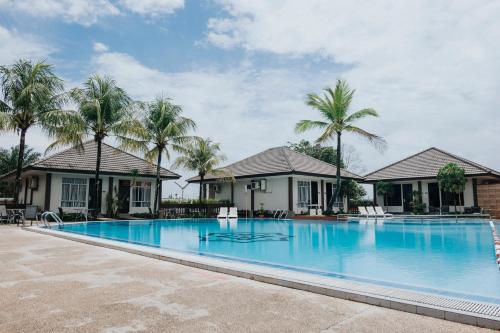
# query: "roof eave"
260, 175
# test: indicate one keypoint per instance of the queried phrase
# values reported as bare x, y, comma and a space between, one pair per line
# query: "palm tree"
201, 155
103, 109
163, 127
334, 108
9, 158
30, 92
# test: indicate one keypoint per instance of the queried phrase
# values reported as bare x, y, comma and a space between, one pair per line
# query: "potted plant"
261, 212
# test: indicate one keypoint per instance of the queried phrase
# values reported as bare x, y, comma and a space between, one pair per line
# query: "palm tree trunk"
337, 189
158, 183
19, 169
97, 195
455, 201
201, 188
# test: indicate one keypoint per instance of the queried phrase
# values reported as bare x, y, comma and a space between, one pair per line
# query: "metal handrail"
54, 216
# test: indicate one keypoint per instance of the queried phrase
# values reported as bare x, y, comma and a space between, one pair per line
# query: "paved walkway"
48, 284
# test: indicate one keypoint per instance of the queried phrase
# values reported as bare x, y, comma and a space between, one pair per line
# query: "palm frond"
361, 114
379, 142
306, 125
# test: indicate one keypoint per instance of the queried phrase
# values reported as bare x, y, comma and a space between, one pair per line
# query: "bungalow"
417, 175
66, 180
277, 178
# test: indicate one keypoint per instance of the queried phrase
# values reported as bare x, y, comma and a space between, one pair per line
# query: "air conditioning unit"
263, 184
216, 188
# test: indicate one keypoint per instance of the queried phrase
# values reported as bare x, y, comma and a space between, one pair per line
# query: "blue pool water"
443, 257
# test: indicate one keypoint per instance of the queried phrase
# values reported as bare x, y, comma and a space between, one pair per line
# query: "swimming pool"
435, 256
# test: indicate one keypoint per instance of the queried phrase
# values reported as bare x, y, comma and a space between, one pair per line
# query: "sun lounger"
362, 211
222, 213
233, 213
380, 212
371, 212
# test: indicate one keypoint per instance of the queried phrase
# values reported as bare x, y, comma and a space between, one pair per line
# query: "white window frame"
75, 191
141, 194
303, 193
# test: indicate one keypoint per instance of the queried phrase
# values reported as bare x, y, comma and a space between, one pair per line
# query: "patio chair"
233, 213
223, 213
4, 217
31, 213
381, 212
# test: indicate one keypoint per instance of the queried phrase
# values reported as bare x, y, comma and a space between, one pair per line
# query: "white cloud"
153, 7
89, 12
430, 68
79, 11
100, 47
14, 45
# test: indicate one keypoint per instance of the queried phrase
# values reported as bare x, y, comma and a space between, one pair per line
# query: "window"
394, 196
141, 194
304, 193
74, 192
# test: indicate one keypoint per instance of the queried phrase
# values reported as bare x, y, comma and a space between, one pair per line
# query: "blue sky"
242, 69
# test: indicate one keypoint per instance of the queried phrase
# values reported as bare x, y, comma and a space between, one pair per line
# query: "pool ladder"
54, 216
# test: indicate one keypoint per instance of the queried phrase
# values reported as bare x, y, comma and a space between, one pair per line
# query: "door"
433, 190
314, 193
123, 196
407, 197
93, 197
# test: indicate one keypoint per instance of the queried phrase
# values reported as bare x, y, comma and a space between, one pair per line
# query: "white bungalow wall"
274, 197
468, 195
56, 190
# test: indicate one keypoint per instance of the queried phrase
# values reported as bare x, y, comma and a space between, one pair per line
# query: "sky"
242, 69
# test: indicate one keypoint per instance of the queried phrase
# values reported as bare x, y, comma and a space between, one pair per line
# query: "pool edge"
295, 281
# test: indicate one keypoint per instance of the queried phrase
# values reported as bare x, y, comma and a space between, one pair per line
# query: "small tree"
352, 190
384, 189
452, 179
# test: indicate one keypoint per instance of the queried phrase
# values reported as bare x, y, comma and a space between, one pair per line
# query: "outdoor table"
84, 212
17, 214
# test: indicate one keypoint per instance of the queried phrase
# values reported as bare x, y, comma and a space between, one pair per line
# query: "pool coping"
458, 310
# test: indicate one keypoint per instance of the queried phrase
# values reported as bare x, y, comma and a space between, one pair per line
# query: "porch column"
375, 194
420, 191
48, 184
474, 191
290, 193
110, 192
322, 195
252, 202
232, 193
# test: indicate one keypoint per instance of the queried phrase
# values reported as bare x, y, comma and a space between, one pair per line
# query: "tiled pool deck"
468, 312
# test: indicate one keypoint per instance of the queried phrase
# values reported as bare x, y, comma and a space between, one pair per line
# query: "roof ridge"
246, 158
143, 159
283, 150
57, 154
399, 161
321, 161
477, 165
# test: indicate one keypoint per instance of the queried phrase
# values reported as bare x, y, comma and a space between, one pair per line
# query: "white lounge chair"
362, 211
381, 212
233, 213
4, 217
371, 212
222, 213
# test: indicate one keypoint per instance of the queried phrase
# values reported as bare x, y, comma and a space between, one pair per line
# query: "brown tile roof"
426, 164
113, 161
281, 160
